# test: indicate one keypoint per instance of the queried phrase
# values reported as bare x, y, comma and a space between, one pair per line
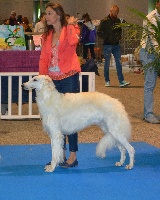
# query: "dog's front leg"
57, 151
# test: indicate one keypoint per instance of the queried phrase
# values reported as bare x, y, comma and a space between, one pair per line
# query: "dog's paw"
128, 166
118, 164
49, 168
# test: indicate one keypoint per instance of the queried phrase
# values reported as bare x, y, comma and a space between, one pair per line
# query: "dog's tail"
107, 142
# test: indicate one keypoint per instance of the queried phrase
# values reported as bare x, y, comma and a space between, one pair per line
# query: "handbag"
90, 66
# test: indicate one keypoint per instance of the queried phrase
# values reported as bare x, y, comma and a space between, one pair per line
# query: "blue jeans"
149, 83
71, 85
116, 51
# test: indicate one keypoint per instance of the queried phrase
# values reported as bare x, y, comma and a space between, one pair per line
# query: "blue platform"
22, 176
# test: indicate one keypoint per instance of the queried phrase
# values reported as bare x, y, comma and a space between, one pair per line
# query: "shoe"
107, 84
152, 120
65, 159
124, 83
74, 164
157, 117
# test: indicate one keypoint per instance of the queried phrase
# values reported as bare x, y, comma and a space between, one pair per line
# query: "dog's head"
37, 82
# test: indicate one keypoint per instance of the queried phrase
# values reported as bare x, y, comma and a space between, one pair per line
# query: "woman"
88, 37
59, 60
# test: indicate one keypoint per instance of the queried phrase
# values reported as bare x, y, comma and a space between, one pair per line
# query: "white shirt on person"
153, 17
39, 27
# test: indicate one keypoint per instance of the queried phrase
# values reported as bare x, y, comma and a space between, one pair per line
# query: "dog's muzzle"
24, 87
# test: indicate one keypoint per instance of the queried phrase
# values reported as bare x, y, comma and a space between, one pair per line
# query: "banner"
12, 38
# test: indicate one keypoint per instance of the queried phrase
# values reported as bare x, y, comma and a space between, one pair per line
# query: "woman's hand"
72, 20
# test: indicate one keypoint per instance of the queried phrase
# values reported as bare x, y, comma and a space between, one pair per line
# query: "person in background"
12, 19
111, 38
26, 25
59, 60
88, 37
6, 22
39, 27
150, 73
19, 19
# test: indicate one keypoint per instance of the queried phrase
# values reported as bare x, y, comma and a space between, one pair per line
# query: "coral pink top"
60, 61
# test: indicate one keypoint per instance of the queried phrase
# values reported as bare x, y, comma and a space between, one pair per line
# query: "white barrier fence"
29, 110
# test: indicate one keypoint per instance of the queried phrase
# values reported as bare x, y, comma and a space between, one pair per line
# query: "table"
17, 61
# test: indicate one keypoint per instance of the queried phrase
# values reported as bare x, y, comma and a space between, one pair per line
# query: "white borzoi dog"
71, 112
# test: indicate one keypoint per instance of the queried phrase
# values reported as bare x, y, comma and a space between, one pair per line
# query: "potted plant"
141, 32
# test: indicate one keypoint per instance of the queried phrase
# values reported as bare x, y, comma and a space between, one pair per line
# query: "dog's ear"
34, 78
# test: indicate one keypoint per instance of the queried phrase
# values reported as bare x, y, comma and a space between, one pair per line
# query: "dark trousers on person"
69, 85
85, 51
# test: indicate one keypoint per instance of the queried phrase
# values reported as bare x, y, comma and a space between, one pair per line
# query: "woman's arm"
73, 31
44, 57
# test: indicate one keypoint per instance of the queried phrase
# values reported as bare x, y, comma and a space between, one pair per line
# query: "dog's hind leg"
130, 150
123, 155
107, 142
57, 152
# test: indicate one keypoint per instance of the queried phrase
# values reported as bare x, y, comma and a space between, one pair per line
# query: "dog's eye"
34, 79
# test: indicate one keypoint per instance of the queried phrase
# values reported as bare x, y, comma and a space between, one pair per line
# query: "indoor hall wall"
97, 9
124, 5
22, 7
100, 9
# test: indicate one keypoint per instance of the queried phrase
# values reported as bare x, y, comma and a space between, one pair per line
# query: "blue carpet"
22, 176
